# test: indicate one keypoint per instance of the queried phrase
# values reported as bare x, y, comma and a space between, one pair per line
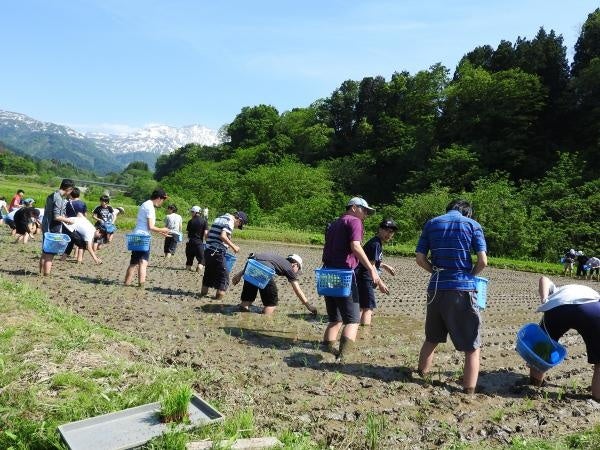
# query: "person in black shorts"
289, 267
374, 251
576, 307
197, 229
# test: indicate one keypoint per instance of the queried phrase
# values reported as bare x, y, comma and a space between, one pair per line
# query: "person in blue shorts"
374, 251
145, 223
451, 298
571, 307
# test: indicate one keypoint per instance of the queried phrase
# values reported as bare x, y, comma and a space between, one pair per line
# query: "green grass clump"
174, 406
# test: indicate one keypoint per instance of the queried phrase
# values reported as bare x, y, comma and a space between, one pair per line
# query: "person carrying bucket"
218, 241
572, 306
289, 267
451, 299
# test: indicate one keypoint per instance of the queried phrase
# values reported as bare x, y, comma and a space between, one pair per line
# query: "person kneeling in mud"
289, 267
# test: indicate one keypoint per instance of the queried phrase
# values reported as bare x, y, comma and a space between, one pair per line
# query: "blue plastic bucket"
481, 289
55, 243
257, 273
529, 337
229, 261
334, 282
138, 242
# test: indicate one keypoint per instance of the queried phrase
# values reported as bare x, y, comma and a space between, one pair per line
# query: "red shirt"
15, 203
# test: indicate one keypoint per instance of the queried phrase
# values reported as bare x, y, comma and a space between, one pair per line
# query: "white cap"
295, 258
195, 209
358, 201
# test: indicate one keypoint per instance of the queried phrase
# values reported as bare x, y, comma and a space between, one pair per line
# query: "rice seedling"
174, 406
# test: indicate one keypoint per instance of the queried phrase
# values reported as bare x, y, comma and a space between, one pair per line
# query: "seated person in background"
24, 220
576, 307
289, 267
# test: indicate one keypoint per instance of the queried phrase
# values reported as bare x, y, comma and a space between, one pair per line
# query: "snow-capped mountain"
99, 152
157, 139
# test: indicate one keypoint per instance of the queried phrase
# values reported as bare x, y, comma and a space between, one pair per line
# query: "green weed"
376, 426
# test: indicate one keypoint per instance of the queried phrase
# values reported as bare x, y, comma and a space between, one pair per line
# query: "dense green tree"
253, 125
587, 46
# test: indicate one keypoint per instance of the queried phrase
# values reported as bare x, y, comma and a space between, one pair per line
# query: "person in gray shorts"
451, 307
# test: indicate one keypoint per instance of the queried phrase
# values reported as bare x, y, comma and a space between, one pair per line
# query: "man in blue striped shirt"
218, 241
451, 301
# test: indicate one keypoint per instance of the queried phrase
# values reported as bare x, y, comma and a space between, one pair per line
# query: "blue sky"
116, 65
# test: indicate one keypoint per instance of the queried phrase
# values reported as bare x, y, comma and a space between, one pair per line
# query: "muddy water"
275, 367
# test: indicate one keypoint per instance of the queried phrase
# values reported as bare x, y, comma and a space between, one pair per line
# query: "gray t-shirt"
279, 264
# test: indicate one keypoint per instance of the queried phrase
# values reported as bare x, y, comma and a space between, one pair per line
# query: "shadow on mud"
374, 371
95, 280
18, 272
260, 339
170, 291
225, 309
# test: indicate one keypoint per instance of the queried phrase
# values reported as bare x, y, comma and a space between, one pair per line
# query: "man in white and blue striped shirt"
218, 242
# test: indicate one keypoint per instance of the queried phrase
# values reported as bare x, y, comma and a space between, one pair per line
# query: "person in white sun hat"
289, 267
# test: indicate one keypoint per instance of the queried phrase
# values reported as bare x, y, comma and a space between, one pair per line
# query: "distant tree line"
515, 129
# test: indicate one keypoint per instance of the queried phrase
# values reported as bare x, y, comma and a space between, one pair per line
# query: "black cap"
243, 218
389, 224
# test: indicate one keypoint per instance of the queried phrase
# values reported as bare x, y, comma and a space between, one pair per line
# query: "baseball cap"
389, 224
195, 209
243, 217
295, 258
358, 201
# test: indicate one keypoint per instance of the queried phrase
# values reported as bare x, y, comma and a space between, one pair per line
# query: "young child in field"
374, 251
172, 222
106, 216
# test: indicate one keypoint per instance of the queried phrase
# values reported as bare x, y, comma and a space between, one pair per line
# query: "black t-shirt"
279, 264
196, 228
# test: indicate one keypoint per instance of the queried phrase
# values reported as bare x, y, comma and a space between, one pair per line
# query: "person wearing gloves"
289, 267
572, 306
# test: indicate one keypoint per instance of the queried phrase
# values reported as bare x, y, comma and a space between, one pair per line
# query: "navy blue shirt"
450, 238
374, 251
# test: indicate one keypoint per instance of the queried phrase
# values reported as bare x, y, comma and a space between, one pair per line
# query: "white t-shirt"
145, 212
85, 228
569, 294
3, 206
173, 222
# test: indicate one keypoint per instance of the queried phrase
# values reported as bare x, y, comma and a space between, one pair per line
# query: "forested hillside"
515, 129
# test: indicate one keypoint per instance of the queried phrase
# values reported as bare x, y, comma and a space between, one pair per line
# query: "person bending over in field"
576, 307
289, 267
219, 240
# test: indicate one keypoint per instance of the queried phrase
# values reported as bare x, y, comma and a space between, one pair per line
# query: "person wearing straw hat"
218, 242
572, 306
343, 250
54, 218
289, 267
451, 301
145, 223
